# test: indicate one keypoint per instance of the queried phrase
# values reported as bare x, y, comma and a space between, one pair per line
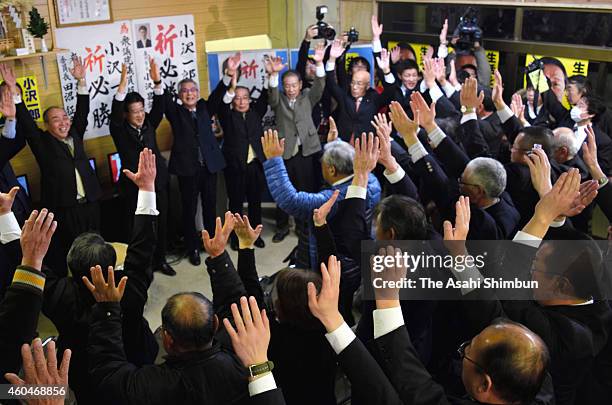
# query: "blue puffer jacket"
300, 204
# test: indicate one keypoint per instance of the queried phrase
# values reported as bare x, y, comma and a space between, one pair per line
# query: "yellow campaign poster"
571, 66
421, 50
31, 96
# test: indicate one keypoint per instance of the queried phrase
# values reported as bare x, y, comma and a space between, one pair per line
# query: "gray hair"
565, 137
339, 154
489, 174
185, 81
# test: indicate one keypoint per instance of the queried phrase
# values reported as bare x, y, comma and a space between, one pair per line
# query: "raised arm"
79, 121
216, 98
326, 246
273, 66
318, 85
117, 110
472, 138
157, 109
246, 256
311, 32
332, 84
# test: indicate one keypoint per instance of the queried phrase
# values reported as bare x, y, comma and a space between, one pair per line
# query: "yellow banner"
31, 96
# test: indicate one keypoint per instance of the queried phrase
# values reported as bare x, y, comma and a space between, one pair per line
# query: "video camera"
467, 31
324, 30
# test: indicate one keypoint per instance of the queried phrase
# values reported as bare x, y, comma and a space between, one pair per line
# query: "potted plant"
38, 27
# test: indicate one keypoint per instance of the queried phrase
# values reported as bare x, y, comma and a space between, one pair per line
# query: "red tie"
357, 104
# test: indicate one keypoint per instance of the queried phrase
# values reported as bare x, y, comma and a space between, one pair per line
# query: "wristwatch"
467, 110
157, 82
602, 182
261, 368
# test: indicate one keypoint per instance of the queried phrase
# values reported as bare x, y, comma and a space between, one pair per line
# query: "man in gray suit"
293, 111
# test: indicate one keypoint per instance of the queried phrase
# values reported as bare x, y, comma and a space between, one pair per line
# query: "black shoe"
280, 235
260, 243
194, 257
165, 268
234, 244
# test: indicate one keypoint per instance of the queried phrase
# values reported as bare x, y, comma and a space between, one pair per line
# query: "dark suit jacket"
239, 132
188, 139
352, 122
604, 200
146, 44
322, 109
19, 312
505, 215
129, 146
272, 397
56, 164
68, 304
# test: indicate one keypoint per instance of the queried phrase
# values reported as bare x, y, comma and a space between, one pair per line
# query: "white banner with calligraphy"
171, 42
103, 49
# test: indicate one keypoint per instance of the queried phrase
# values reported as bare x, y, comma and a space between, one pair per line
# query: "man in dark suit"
70, 187
144, 41
196, 157
293, 113
68, 304
133, 130
357, 109
242, 129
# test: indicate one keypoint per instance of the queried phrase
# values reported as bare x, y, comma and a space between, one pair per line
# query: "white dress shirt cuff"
227, 80
442, 51
158, 90
262, 384
435, 93
468, 117
340, 338
390, 78
395, 176
449, 89
422, 86
417, 152
376, 46
273, 81
17, 98
9, 228
146, 203
10, 129
527, 239
436, 137
228, 97
330, 66
120, 96
387, 320
505, 114
82, 90
320, 71
356, 192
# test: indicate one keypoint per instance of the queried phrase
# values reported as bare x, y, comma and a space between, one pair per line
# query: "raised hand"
39, 370
332, 133
498, 91
462, 221
272, 147
469, 94
78, 69
444, 33
539, 169
311, 33
101, 290
395, 54
589, 155
153, 71
9, 77
588, 192
233, 63
319, 215
245, 232
123, 82
518, 108
383, 61
36, 236
7, 105
427, 114
452, 75
251, 337
388, 297
319, 52
383, 131
274, 64
406, 127
560, 198
147, 170
382, 125
324, 306
216, 246
440, 70
7, 199
366, 157
429, 73
377, 28
337, 49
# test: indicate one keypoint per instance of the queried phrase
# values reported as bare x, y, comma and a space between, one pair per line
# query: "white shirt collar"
344, 180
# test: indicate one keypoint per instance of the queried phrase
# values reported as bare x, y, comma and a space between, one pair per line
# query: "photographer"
469, 52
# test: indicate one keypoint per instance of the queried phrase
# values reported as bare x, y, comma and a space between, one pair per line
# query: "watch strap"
261, 368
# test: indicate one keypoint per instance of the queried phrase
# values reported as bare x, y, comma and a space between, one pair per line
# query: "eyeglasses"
461, 351
462, 183
358, 84
190, 90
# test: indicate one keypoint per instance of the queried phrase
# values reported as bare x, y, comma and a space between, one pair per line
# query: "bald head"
190, 320
360, 83
512, 358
